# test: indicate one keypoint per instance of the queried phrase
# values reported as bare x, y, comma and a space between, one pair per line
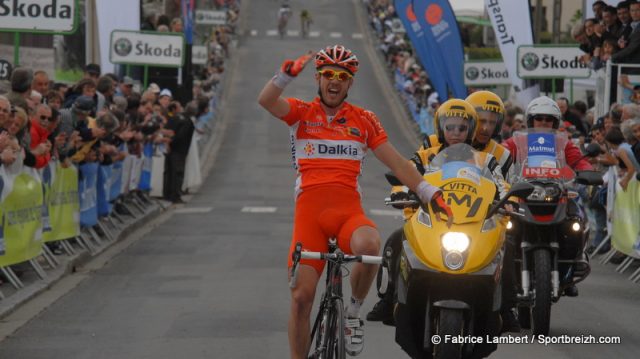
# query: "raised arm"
270, 96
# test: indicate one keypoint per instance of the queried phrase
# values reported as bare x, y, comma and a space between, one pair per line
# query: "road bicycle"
327, 335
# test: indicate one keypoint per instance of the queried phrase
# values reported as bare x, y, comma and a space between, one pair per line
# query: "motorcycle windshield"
465, 180
540, 155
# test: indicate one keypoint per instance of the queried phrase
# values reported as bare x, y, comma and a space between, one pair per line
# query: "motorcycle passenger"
491, 112
543, 112
329, 138
455, 122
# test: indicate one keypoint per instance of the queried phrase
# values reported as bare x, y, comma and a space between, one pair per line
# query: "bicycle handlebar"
339, 257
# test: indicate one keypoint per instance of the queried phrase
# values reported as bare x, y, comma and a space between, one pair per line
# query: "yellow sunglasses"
335, 75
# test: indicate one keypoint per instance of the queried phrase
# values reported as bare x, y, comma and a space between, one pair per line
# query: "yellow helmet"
455, 108
487, 101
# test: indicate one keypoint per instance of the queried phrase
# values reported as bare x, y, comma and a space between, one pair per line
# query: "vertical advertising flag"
188, 9
428, 57
512, 26
441, 32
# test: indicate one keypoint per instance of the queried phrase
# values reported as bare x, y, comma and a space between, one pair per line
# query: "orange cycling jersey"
328, 156
330, 152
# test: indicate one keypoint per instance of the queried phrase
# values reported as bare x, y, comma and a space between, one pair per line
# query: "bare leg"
301, 304
364, 241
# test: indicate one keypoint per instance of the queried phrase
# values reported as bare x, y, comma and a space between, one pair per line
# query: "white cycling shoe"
354, 335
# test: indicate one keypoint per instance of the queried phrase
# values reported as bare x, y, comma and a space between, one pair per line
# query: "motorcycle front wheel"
450, 322
541, 311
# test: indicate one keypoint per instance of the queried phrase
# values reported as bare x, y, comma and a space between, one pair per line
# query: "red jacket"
571, 152
39, 135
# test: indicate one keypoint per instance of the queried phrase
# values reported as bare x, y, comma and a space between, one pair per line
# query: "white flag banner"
512, 26
112, 15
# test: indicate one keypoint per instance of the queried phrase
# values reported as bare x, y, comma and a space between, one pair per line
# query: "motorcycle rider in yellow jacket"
490, 115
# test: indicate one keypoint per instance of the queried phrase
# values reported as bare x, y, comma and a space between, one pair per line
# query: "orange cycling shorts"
322, 213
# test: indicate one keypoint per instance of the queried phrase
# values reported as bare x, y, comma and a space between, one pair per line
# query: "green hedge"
483, 53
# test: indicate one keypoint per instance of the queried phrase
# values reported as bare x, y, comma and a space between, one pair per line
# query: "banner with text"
429, 59
551, 61
485, 73
512, 25
143, 48
441, 32
38, 15
64, 203
21, 202
211, 17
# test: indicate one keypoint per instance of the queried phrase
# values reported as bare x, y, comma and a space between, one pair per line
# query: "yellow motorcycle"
448, 284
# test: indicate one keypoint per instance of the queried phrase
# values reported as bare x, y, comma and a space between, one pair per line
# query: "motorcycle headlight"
544, 194
455, 242
424, 218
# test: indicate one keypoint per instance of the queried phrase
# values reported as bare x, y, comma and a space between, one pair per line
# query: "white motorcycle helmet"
543, 105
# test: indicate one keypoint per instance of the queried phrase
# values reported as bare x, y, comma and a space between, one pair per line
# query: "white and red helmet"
337, 55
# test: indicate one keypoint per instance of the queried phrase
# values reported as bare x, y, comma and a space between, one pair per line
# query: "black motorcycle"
552, 231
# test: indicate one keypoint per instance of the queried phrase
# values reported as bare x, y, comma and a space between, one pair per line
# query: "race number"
5, 69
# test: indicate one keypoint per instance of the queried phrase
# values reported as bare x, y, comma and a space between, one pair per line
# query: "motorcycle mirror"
590, 178
392, 179
593, 150
520, 190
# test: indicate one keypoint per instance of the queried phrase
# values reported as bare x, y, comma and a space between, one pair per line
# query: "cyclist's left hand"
440, 206
294, 67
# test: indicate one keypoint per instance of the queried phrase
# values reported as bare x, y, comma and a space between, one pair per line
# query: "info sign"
51, 16
551, 62
147, 48
485, 73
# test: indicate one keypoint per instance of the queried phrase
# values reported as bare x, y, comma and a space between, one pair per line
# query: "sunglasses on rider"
45, 118
460, 128
335, 75
544, 118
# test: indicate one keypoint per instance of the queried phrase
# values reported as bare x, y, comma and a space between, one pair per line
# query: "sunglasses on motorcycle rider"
460, 128
335, 75
544, 118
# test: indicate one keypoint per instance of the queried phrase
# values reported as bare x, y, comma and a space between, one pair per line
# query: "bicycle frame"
331, 304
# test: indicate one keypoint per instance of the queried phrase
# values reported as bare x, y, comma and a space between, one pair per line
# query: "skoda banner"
551, 61
209, 17
143, 48
38, 15
485, 73
443, 38
512, 26
199, 55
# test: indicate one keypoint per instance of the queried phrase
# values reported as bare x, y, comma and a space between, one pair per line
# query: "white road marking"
293, 33
189, 210
357, 35
386, 212
314, 33
259, 209
272, 32
335, 35
254, 32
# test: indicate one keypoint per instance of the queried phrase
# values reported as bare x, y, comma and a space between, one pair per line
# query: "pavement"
209, 279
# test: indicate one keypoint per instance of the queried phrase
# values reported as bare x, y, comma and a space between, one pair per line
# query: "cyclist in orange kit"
329, 139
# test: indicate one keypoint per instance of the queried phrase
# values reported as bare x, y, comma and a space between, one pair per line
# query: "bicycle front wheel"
336, 345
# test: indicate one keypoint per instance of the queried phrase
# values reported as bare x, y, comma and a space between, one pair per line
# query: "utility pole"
557, 15
537, 22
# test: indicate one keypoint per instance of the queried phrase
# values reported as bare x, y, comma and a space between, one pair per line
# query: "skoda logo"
530, 61
472, 73
122, 47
